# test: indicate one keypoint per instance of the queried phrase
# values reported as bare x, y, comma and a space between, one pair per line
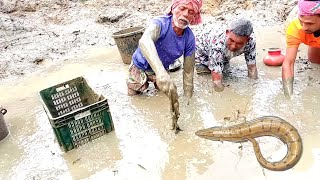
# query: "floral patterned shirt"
212, 51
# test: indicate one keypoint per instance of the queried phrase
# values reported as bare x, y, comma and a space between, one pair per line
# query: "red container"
274, 57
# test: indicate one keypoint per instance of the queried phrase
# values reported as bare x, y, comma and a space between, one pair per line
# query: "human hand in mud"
164, 82
217, 81
252, 71
288, 87
187, 95
186, 99
218, 86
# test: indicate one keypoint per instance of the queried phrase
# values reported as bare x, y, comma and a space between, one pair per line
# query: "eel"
174, 108
262, 126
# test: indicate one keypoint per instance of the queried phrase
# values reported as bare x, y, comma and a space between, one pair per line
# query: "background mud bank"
36, 34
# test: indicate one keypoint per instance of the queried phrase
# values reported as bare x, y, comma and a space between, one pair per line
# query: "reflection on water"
142, 145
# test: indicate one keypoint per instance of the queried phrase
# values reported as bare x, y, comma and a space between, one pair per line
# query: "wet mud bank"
36, 34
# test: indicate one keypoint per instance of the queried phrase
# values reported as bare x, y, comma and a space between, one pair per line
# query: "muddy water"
142, 145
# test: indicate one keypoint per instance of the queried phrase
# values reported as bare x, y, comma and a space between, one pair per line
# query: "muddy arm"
288, 71
188, 72
148, 48
149, 51
250, 57
216, 58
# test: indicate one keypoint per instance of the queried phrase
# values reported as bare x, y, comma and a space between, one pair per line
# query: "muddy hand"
164, 82
288, 87
218, 86
252, 72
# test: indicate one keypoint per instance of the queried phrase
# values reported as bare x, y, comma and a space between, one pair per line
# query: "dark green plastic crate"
76, 114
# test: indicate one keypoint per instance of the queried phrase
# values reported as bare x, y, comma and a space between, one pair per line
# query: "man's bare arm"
288, 71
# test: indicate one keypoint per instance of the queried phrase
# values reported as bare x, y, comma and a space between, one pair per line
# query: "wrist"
216, 76
160, 72
252, 72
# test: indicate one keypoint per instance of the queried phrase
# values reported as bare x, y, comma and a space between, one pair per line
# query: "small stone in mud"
38, 61
115, 172
142, 167
77, 160
30, 8
76, 32
110, 18
227, 118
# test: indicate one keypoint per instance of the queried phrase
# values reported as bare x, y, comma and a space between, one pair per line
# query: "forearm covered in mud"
288, 71
287, 79
188, 72
148, 48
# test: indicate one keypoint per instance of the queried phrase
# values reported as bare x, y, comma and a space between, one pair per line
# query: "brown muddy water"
142, 145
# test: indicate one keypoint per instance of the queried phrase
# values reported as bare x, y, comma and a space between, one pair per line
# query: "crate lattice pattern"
67, 100
86, 129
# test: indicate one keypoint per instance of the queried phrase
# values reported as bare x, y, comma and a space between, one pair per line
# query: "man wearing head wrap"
216, 45
166, 39
306, 30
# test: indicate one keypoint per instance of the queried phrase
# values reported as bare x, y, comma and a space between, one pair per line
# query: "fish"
174, 109
262, 126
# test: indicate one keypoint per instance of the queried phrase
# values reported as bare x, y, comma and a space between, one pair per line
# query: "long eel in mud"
263, 126
174, 108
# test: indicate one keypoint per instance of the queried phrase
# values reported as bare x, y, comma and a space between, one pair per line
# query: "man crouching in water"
306, 30
165, 40
216, 45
